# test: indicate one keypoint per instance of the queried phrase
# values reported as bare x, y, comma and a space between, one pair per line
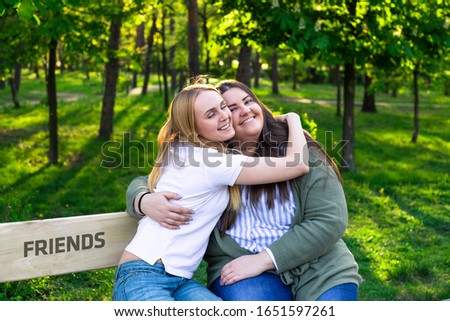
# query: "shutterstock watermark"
119, 154
129, 153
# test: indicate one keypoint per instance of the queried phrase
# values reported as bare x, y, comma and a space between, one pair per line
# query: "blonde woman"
158, 263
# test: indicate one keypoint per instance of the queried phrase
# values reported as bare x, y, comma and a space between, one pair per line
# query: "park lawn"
398, 199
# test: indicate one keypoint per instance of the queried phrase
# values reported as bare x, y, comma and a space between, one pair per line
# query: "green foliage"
398, 200
309, 125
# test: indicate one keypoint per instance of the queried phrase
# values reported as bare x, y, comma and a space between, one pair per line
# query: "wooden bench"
56, 246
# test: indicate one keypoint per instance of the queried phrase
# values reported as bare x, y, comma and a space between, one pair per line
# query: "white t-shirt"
202, 177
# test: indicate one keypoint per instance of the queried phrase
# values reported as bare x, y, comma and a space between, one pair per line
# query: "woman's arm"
263, 170
156, 205
137, 187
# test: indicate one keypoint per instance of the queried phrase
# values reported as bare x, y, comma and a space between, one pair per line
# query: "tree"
52, 102
332, 33
139, 45
245, 65
18, 48
368, 104
336, 34
194, 63
172, 51
205, 15
274, 72
256, 70
149, 51
111, 74
338, 90
164, 59
423, 40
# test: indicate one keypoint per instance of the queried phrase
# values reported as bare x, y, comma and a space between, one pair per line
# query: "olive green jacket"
311, 256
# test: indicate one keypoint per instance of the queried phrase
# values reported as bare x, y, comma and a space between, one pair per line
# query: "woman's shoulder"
320, 168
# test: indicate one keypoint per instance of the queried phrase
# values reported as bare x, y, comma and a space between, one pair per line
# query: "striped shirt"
257, 226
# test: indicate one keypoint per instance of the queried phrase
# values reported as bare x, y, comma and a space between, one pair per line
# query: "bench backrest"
63, 245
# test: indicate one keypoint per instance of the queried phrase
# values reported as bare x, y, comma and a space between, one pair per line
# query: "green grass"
398, 199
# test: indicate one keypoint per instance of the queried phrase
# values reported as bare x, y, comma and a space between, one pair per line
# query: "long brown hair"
272, 142
180, 126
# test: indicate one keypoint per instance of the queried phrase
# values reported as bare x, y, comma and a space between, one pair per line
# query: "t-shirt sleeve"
223, 169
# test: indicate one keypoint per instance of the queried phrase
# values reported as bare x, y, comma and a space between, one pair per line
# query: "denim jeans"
264, 287
268, 287
342, 292
140, 281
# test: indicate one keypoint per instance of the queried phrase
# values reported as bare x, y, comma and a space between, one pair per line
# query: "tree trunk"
158, 72
394, 92
348, 132
294, 74
36, 69
194, 64
172, 69
368, 105
85, 65
338, 88
181, 80
244, 72
111, 77
52, 104
333, 74
446, 86
139, 43
61, 57
206, 36
17, 76
12, 85
44, 66
274, 73
164, 60
256, 70
150, 41
416, 106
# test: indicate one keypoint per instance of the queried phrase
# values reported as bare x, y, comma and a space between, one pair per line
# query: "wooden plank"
63, 245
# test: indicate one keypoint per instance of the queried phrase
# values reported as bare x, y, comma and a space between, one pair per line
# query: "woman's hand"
288, 117
245, 267
158, 208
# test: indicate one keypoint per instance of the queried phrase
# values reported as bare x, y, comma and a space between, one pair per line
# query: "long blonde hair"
180, 127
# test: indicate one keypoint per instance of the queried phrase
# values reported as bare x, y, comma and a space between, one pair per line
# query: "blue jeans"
342, 292
140, 281
268, 287
264, 287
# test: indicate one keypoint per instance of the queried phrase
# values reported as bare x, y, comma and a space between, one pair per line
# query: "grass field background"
398, 199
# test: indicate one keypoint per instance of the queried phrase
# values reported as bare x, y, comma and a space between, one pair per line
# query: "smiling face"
212, 117
247, 116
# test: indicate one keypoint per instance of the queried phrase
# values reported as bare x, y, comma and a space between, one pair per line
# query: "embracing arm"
263, 170
155, 205
137, 187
